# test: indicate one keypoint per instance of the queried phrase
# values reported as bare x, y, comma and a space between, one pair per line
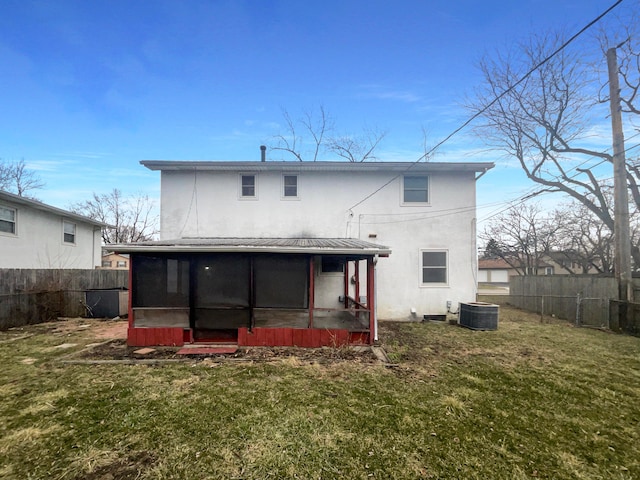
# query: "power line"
493, 102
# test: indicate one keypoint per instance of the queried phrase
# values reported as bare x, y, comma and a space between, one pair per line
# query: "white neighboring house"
425, 213
36, 235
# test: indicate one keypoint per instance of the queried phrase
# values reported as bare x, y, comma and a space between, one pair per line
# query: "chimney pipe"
263, 153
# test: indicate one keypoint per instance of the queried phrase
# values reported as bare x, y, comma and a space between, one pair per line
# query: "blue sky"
90, 88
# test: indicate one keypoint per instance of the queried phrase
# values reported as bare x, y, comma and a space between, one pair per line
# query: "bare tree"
356, 148
546, 121
131, 218
521, 236
310, 136
583, 240
16, 178
316, 126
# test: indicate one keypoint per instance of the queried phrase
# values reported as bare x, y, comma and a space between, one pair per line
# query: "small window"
290, 183
7, 220
332, 265
415, 189
106, 263
69, 232
247, 186
434, 267
121, 264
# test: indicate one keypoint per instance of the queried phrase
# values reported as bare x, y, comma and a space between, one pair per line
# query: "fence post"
578, 305
542, 309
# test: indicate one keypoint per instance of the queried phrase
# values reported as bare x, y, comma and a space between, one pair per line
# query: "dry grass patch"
530, 400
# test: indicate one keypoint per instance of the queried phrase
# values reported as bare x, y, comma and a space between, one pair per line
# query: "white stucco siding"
39, 242
322, 209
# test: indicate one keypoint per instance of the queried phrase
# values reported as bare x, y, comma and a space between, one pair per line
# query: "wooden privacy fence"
29, 296
586, 300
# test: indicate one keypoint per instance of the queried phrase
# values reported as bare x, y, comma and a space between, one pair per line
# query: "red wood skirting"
149, 337
299, 337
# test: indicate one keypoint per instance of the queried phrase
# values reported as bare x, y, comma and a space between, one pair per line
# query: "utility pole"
621, 196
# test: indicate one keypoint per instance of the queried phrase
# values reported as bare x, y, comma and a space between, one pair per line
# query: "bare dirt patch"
119, 350
100, 329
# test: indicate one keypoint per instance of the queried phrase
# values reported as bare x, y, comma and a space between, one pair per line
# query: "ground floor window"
332, 265
434, 267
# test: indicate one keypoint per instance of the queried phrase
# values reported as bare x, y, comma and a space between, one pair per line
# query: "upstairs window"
247, 186
290, 186
106, 263
415, 189
7, 220
69, 232
434, 267
121, 264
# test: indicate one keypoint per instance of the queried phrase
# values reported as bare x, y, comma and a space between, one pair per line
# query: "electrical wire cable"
493, 102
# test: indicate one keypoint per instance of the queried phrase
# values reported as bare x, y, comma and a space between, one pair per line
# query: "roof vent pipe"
263, 153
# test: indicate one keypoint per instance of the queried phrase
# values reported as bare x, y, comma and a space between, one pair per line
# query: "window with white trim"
106, 263
434, 267
68, 232
415, 189
290, 186
247, 185
8, 220
121, 264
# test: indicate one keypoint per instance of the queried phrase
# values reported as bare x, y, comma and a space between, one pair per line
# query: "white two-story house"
36, 235
277, 252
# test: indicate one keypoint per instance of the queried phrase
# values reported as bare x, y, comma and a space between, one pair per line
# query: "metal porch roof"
318, 246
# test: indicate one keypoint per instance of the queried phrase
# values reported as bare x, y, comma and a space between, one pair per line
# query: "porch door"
221, 292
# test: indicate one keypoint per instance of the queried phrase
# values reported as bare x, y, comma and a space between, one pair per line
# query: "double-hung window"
248, 186
290, 186
434, 267
68, 232
415, 189
7, 220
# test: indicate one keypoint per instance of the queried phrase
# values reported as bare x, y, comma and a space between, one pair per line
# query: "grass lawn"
530, 400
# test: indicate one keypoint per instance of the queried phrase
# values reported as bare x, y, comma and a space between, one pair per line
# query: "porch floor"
324, 319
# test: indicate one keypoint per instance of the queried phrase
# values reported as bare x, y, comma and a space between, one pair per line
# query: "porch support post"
252, 295
130, 306
346, 284
357, 275
311, 290
371, 295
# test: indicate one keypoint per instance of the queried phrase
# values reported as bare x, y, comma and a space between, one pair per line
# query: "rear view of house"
284, 253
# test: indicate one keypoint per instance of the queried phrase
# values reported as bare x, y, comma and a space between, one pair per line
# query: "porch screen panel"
160, 282
281, 281
222, 291
222, 281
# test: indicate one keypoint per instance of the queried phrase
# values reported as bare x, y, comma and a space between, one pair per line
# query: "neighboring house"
256, 250
497, 271
35, 235
494, 271
114, 261
568, 262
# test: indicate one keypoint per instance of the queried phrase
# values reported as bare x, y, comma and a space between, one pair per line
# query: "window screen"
7, 220
69, 232
416, 189
290, 185
434, 267
332, 265
248, 185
